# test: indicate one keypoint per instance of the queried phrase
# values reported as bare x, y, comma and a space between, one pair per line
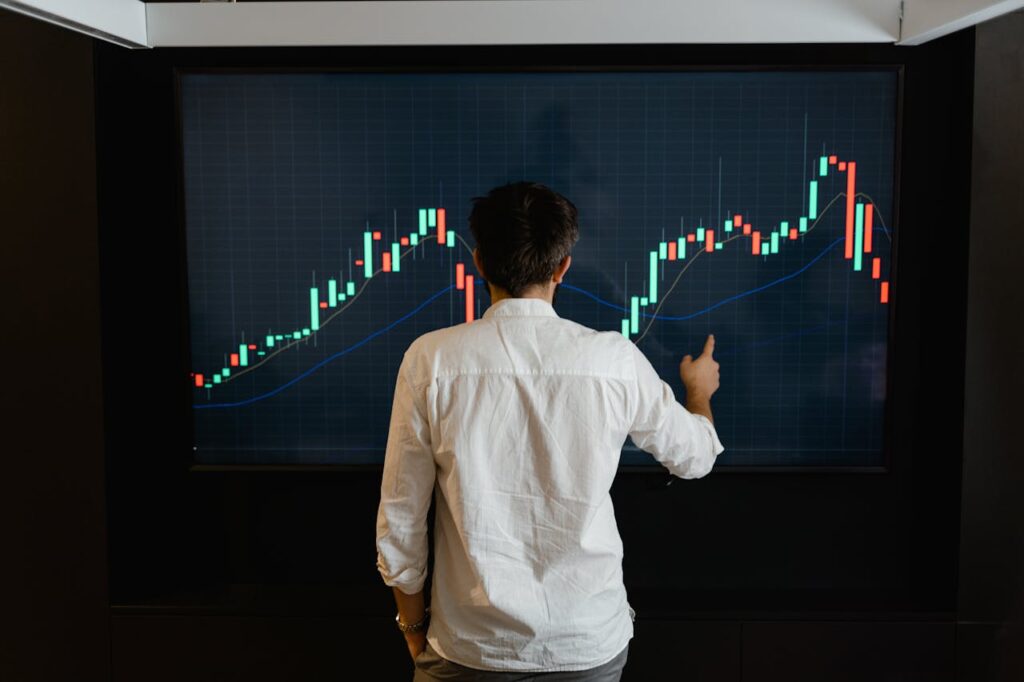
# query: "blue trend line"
567, 286
334, 357
720, 303
744, 294
594, 297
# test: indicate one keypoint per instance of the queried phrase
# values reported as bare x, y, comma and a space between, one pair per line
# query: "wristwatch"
414, 627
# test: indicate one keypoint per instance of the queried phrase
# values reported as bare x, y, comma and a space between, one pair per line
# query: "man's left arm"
406, 491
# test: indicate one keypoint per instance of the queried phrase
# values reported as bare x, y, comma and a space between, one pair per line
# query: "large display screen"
326, 228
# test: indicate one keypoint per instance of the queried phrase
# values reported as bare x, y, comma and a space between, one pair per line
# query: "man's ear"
476, 262
561, 269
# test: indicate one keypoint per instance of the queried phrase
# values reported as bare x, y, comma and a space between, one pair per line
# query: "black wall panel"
53, 561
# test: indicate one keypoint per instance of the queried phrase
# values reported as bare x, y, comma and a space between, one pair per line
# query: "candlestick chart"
326, 228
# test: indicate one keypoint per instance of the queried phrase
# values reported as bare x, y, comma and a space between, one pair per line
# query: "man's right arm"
684, 440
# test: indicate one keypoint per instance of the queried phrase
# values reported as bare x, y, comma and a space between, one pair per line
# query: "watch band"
413, 627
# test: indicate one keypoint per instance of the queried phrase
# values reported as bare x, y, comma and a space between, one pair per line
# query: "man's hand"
417, 642
700, 378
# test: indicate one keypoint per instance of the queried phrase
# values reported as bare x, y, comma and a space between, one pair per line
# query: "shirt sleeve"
406, 490
686, 443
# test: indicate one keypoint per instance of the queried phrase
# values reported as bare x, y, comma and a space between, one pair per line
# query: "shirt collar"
520, 307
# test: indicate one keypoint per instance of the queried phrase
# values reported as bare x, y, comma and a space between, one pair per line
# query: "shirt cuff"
409, 580
716, 445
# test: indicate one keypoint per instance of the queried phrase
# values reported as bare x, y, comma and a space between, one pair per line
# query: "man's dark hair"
523, 230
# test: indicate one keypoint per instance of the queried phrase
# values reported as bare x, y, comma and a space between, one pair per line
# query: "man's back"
521, 416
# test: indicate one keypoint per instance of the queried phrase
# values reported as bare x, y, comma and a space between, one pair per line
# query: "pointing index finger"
709, 345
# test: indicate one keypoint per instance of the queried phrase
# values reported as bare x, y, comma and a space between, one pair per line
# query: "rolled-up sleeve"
406, 489
685, 443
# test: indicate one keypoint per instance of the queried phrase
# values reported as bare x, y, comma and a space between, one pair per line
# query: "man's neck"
542, 293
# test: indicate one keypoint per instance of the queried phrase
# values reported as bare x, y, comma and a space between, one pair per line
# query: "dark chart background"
284, 173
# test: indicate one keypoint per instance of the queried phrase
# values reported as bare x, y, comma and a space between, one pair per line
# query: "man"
517, 420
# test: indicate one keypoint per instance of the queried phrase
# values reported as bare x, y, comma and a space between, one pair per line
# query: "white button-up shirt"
517, 421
